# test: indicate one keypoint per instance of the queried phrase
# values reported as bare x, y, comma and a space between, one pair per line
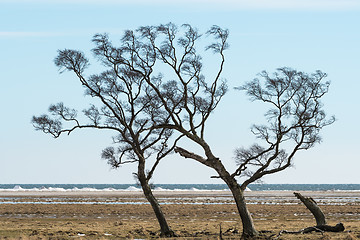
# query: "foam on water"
131, 188
174, 187
18, 188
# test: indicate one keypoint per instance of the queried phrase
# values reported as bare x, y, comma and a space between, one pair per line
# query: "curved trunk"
249, 230
164, 227
211, 161
313, 207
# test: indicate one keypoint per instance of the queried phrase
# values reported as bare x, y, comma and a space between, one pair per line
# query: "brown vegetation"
189, 221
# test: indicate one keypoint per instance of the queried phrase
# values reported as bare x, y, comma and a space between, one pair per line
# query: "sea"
176, 187
335, 194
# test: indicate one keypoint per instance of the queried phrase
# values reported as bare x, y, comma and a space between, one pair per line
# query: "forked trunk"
249, 230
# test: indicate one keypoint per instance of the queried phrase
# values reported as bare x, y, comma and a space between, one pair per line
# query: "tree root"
321, 228
168, 234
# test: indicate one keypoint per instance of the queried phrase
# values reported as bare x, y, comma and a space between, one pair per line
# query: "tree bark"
249, 230
313, 207
319, 217
164, 227
325, 228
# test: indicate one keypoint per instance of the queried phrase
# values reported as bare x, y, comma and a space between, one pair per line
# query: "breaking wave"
19, 188
172, 187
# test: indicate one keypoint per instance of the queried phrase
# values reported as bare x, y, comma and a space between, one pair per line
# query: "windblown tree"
159, 71
295, 119
125, 108
296, 115
189, 98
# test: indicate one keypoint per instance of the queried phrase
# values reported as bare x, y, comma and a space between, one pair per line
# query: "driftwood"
319, 216
321, 228
313, 207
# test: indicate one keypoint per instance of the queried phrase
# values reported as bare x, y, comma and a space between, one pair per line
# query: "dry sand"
192, 215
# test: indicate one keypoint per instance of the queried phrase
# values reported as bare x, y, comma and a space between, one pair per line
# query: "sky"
306, 35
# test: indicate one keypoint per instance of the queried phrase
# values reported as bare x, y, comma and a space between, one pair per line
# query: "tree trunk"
249, 230
313, 207
325, 228
164, 227
319, 217
211, 161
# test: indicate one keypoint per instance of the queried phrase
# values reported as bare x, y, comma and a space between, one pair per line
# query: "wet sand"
192, 215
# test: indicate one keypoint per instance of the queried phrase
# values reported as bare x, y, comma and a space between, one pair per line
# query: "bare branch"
295, 120
187, 154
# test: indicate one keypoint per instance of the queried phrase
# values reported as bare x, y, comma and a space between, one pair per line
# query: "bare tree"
189, 97
172, 99
125, 108
295, 120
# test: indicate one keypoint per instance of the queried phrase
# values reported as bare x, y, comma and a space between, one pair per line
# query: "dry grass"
83, 221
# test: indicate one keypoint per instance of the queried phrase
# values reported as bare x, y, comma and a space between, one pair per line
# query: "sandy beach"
191, 214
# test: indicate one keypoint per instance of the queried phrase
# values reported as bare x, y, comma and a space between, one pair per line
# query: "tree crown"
295, 118
135, 99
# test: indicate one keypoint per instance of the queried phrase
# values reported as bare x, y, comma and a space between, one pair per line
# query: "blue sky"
302, 34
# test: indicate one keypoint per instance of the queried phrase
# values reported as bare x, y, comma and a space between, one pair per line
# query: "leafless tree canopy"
190, 98
136, 99
154, 93
295, 118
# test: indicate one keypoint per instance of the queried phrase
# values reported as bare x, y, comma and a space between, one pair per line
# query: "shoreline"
5, 193
205, 197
